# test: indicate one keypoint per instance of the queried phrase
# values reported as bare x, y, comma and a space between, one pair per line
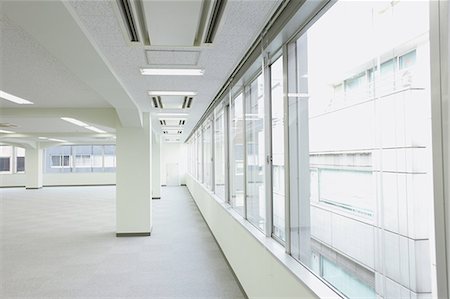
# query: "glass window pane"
207, 156
82, 158
254, 121
20, 159
109, 158
199, 156
276, 75
219, 153
97, 158
237, 155
55, 161
6, 154
361, 199
66, 161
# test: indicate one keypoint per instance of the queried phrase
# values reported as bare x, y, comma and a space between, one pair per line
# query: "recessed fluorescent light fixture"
6, 132
75, 121
172, 72
57, 140
82, 124
172, 127
95, 129
14, 99
172, 93
173, 114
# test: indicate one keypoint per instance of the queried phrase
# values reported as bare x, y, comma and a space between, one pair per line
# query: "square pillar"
134, 183
34, 167
156, 174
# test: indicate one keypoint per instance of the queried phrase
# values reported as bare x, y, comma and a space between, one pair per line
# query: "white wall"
61, 179
156, 169
173, 153
13, 180
72, 179
260, 273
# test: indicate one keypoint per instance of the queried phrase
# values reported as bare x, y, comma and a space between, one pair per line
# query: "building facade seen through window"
80, 158
12, 159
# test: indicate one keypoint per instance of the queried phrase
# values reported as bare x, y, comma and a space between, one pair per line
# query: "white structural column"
33, 167
134, 180
156, 167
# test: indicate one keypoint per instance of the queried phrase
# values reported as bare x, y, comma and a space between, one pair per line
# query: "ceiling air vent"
129, 20
157, 102
187, 102
182, 122
216, 15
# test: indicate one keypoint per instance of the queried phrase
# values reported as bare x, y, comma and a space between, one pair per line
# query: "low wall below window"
261, 274
61, 179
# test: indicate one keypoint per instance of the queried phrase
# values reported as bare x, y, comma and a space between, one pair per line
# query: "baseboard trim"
93, 185
1, 187
144, 234
33, 188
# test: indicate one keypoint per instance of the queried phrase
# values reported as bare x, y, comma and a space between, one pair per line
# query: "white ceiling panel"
172, 23
172, 102
172, 57
29, 71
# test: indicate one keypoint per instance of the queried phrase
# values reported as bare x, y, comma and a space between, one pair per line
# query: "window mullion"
244, 138
287, 207
268, 147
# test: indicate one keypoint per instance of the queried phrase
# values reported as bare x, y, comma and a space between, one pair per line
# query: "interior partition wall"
328, 149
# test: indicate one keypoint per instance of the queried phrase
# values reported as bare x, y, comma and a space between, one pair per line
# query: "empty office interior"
224, 149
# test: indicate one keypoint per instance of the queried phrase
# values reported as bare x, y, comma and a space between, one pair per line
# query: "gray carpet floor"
59, 242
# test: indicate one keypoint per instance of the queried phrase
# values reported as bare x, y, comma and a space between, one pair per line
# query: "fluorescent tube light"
94, 129
172, 72
173, 114
43, 138
172, 93
172, 128
6, 132
75, 121
14, 99
82, 124
57, 140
